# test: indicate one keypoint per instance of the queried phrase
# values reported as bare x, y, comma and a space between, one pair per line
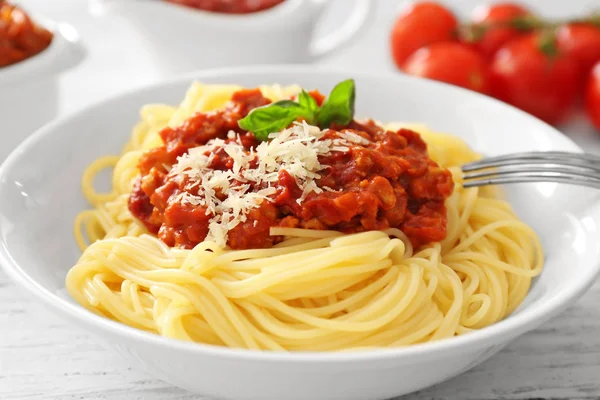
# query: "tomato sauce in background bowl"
229, 6
187, 35
33, 51
20, 36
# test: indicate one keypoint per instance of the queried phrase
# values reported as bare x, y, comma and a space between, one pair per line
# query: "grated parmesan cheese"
295, 150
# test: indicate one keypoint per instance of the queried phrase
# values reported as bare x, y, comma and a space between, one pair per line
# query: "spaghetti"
314, 290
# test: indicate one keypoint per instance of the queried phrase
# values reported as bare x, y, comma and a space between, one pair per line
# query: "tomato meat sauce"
229, 6
385, 181
20, 37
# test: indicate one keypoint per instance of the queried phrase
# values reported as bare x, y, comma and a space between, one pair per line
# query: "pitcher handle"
357, 21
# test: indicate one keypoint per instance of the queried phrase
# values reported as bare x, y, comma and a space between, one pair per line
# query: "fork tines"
551, 166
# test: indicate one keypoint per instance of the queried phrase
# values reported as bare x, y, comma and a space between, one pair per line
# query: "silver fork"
581, 169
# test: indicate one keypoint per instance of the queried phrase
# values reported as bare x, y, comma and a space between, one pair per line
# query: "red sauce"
229, 6
20, 37
389, 182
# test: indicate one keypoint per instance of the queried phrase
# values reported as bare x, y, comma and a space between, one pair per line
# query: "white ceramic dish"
29, 89
185, 39
40, 195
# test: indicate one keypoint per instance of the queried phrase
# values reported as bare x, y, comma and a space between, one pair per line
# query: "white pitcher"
186, 39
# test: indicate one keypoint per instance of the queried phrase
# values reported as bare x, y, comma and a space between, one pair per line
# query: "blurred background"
115, 45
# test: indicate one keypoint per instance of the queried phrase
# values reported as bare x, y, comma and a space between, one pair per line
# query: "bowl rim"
49, 61
273, 11
264, 20
510, 328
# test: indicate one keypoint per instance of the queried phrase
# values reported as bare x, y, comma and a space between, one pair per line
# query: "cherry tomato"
419, 25
531, 74
450, 62
592, 96
581, 42
495, 38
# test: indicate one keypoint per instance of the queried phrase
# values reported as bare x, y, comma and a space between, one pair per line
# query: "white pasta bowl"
40, 196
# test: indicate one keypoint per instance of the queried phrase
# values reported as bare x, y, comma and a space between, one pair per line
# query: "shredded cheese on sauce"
295, 150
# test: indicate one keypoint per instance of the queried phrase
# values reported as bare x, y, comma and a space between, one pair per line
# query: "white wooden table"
43, 358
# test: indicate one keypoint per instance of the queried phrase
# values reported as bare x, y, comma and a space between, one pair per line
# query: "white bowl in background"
40, 196
29, 93
185, 39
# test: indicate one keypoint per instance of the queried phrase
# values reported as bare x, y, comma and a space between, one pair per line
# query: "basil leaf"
308, 102
271, 118
339, 105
